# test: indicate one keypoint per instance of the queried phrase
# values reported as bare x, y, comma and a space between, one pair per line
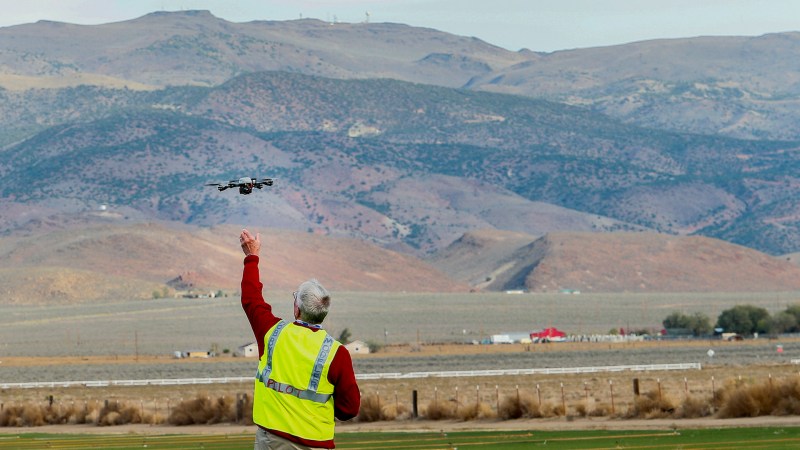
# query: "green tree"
698, 324
745, 319
344, 336
794, 310
784, 322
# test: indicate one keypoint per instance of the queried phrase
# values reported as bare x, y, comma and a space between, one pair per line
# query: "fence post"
586, 392
414, 404
497, 395
240, 401
611, 387
563, 401
539, 395
713, 394
685, 386
456, 400
636, 387
658, 381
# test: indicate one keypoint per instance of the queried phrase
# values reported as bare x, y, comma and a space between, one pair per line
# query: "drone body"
245, 184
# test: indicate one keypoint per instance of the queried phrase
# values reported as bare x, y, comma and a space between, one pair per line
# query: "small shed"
194, 354
357, 347
248, 350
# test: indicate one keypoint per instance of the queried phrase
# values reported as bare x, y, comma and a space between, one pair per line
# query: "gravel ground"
761, 352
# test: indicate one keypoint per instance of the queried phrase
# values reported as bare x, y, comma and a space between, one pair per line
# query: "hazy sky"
541, 25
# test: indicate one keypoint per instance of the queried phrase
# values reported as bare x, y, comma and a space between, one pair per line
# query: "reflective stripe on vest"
264, 375
299, 393
320, 363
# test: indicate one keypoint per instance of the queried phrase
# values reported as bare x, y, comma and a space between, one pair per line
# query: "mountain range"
402, 137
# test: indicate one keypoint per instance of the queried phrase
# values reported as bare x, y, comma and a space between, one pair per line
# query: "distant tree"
745, 319
676, 320
344, 336
374, 347
698, 323
794, 310
784, 322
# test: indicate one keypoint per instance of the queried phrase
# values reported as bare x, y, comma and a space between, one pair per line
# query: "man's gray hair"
313, 301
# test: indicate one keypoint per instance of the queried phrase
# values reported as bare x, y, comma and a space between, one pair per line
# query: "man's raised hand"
250, 245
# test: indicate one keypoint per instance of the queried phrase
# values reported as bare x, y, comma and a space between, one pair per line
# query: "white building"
357, 347
248, 350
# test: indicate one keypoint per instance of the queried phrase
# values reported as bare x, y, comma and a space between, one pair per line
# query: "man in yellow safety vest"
305, 378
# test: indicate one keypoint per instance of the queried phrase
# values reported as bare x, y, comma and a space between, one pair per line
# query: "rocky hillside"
406, 166
735, 86
613, 262
741, 87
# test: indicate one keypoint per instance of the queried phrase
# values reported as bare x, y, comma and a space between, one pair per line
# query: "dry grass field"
134, 340
162, 326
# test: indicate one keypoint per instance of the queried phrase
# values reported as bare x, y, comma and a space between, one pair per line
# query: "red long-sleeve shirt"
346, 396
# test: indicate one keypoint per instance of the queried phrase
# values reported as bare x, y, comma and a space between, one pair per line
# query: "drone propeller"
219, 186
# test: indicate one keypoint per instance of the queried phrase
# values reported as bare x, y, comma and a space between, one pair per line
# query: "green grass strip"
701, 439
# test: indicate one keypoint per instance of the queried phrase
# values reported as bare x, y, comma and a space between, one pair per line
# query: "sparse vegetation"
374, 346
518, 406
761, 399
205, 410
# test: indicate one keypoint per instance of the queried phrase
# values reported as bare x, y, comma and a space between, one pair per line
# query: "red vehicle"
549, 335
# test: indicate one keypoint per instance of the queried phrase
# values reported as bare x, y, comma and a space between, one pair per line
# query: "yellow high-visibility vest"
292, 391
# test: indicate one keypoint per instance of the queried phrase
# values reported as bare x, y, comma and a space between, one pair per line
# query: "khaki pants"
268, 441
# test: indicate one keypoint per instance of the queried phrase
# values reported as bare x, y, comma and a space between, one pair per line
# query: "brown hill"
614, 262
480, 256
103, 261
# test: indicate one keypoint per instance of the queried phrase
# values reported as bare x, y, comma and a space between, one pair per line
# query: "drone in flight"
245, 184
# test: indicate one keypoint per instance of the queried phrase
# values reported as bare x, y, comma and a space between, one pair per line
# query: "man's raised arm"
258, 312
